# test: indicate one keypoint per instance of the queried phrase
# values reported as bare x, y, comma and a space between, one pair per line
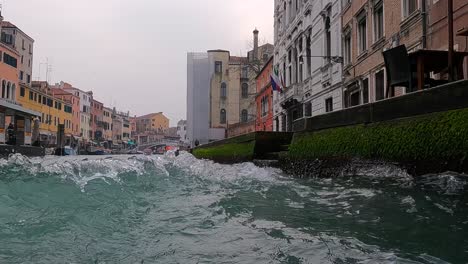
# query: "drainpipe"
424, 24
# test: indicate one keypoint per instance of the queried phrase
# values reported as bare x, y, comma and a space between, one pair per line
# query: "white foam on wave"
83, 169
235, 173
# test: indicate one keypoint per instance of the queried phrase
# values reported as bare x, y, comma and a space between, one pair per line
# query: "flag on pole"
275, 82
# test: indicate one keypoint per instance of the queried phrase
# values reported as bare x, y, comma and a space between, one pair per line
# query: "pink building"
96, 124
75, 102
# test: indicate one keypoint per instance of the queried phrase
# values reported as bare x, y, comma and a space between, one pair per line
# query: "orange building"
11, 111
264, 99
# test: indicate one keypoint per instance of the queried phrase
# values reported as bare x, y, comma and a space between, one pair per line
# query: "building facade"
369, 29
264, 99
126, 129
182, 131
96, 119
54, 111
107, 123
12, 110
155, 122
233, 87
438, 28
308, 57
85, 109
117, 128
74, 101
24, 44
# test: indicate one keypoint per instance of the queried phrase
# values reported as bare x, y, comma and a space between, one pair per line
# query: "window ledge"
362, 56
379, 43
346, 7
407, 21
347, 67
326, 66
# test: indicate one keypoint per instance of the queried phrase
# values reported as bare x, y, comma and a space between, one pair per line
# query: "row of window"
223, 117
42, 99
54, 120
97, 106
21, 77
358, 93
244, 90
8, 90
22, 61
409, 6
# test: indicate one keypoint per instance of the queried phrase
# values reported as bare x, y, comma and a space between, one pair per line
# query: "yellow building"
54, 111
155, 122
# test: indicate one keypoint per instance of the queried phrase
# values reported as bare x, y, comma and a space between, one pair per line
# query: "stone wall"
442, 98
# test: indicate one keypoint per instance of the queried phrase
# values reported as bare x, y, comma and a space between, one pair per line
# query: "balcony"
291, 95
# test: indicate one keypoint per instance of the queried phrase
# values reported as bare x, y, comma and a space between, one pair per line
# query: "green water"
182, 210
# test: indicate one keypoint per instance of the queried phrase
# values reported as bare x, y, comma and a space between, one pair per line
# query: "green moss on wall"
436, 136
230, 152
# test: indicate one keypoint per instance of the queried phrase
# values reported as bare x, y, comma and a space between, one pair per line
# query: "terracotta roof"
150, 115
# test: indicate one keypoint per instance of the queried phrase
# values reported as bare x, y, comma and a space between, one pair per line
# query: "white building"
85, 109
198, 100
308, 57
182, 131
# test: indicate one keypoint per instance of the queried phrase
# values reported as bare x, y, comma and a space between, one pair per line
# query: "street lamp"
335, 59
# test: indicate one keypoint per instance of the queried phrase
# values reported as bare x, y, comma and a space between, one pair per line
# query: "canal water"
166, 209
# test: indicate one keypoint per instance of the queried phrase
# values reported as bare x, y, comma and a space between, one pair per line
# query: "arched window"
8, 90
244, 116
327, 38
245, 90
266, 57
3, 88
13, 92
222, 116
223, 93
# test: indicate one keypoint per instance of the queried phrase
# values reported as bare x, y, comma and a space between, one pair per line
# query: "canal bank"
422, 132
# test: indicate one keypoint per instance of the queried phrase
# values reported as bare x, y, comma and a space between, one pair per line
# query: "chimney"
255, 50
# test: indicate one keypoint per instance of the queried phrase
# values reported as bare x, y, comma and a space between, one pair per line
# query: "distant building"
75, 103
172, 132
230, 97
54, 111
117, 128
96, 119
264, 99
155, 122
107, 123
133, 126
182, 131
199, 68
85, 108
233, 86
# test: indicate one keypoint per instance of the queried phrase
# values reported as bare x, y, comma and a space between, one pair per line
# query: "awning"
9, 104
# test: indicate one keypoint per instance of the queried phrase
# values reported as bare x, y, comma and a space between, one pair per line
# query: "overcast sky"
132, 53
